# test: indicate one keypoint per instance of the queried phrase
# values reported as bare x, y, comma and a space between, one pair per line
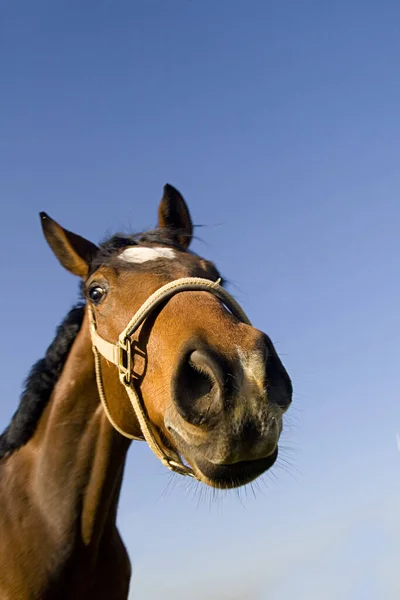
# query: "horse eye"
96, 294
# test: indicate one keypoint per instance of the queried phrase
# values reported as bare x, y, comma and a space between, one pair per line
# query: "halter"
122, 354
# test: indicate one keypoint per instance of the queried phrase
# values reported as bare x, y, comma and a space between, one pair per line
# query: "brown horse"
157, 350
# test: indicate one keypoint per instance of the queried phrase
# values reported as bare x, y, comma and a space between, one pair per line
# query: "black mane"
111, 247
45, 373
40, 383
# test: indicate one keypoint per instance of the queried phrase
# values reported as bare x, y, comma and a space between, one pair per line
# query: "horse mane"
110, 247
40, 383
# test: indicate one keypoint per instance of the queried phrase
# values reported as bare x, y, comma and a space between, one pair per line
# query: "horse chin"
233, 475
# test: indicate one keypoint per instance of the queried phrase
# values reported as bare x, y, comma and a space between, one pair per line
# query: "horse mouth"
233, 475
224, 475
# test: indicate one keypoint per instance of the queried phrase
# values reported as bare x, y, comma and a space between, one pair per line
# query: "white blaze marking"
141, 254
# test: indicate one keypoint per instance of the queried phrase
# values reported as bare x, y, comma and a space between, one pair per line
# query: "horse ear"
73, 251
174, 214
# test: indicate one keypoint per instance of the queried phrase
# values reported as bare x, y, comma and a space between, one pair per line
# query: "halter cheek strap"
123, 352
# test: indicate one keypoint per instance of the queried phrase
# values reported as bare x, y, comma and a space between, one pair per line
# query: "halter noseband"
121, 355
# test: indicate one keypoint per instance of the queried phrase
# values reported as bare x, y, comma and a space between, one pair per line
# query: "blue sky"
279, 123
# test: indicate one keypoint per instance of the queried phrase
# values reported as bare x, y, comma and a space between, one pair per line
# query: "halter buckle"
125, 359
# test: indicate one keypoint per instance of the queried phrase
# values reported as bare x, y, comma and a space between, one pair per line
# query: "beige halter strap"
122, 353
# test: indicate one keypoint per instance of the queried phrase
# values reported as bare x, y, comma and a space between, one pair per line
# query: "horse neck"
77, 458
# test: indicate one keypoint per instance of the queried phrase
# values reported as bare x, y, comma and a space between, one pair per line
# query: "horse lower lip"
237, 474
226, 476
232, 463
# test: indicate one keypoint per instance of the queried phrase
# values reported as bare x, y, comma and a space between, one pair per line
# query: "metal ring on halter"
121, 352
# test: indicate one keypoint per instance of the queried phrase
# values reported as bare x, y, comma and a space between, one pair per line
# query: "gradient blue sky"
279, 122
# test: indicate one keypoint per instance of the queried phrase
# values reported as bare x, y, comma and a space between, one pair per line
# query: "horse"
157, 350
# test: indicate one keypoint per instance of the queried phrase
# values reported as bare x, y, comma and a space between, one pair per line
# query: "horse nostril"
197, 387
279, 384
